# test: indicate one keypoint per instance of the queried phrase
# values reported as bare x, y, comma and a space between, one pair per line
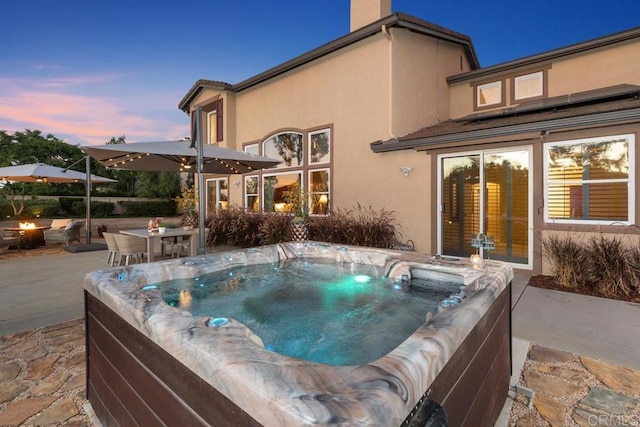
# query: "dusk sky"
87, 71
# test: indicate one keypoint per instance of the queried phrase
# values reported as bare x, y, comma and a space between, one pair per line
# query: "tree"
31, 146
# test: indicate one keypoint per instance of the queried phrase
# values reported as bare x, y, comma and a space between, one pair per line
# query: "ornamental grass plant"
607, 266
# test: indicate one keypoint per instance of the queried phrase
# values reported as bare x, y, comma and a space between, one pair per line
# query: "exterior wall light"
406, 170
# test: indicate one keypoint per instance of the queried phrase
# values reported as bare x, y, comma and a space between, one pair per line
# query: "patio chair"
129, 247
177, 245
67, 234
112, 246
9, 238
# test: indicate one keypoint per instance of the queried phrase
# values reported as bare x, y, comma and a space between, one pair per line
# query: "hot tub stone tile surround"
382, 392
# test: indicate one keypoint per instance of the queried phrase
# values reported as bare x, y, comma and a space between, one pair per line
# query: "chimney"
364, 12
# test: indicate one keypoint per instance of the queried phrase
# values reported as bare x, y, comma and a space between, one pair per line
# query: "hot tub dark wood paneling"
473, 385
132, 381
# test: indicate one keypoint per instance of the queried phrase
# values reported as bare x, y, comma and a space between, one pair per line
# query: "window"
319, 146
217, 194
528, 86
489, 94
306, 165
319, 191
212, 120
590, 181
252, 149
286, 146
276, 188
215, 123
251, 197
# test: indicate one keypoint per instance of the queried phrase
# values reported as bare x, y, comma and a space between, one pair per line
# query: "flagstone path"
42, 383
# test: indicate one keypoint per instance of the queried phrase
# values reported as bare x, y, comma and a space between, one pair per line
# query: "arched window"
286, 146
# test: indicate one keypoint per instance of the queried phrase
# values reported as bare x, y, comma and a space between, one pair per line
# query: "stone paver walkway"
42, 376
42, 382
576, 390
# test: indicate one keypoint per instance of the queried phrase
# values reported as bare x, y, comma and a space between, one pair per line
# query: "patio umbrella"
176, 156
39, 172
179, 156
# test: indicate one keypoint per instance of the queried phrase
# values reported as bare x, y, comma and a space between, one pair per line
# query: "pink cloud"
85, 118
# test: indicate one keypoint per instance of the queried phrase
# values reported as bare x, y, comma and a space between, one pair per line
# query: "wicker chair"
130, 246
9, 238
68, 234
112, 246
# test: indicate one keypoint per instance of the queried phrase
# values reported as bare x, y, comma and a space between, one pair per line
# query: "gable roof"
617, 104
397, 20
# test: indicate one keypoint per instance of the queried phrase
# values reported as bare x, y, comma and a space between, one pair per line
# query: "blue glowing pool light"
217, 322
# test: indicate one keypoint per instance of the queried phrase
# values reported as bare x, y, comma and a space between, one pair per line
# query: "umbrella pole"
201, 189
87, 183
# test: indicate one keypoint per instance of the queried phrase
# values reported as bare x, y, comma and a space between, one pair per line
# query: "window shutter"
219, 121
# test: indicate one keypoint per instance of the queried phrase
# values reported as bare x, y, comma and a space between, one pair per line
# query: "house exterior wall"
593, 69
372, 90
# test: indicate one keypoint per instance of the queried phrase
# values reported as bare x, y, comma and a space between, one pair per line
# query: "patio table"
170, 232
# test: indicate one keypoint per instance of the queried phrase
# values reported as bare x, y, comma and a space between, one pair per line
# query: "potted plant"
298, 201
187, 203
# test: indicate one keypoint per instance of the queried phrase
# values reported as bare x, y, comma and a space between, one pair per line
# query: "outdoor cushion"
68, 226
60, 224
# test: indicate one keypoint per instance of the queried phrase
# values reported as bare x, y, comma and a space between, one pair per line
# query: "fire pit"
32, 235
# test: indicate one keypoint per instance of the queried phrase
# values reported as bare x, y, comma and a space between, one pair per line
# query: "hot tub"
152, 364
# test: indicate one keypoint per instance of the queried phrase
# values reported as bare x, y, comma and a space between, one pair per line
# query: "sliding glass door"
486, 192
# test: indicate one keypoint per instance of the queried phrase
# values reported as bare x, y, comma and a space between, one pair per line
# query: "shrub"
568, 260
358, 226
633, 259
149, 208
273, 228
234, 227
42, 208
67, 202
608, 268
102, 209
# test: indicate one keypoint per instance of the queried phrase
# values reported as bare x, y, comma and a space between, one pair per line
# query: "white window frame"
283, 164
299, 172
312, 192
219, 203
490, 85
630, 180
255, 144
517, 81
309, 136
247, 194
211, 140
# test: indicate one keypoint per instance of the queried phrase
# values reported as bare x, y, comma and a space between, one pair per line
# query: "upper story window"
307, 163
319, 147
213, 123
528, 86
590, 181
252, 149
489, 94
286, 146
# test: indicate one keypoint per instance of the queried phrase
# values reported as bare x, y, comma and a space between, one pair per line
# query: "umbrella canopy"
39, 172
176, 156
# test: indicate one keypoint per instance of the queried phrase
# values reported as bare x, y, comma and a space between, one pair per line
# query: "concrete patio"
560, 343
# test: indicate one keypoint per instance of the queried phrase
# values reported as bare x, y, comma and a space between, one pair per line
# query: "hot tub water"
314, 309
